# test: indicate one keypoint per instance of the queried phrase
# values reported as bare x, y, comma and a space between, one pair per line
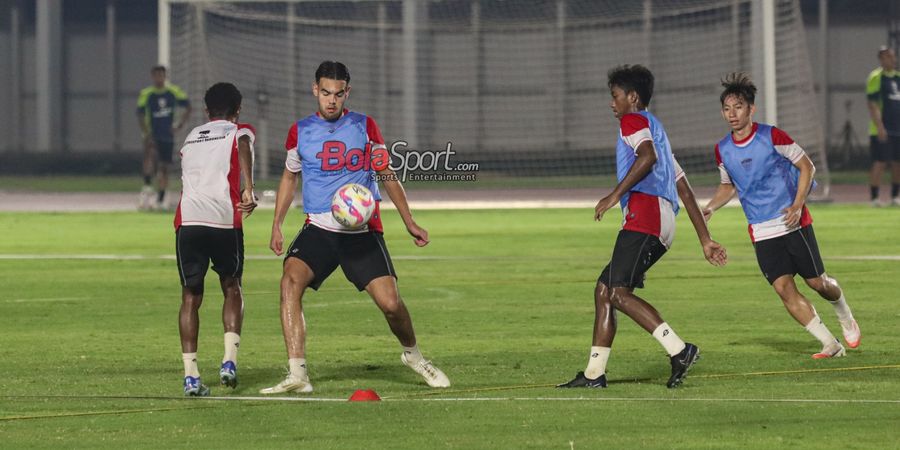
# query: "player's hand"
715, 253
419, 234
882, 134
604, 205
248, 202
277, 241
707, 213
792, 215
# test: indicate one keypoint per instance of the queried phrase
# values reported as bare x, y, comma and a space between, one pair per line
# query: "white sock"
842, 309
232, 344
413, 355
298, 367
597, 362
668, 339
820, 331
190, 365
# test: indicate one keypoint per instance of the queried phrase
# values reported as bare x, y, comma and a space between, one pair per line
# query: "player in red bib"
772, 176
208, 226
331, 148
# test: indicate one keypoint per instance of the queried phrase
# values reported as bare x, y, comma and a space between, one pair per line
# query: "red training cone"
365, 395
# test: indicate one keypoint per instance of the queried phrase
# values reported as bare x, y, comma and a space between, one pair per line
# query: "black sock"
895, 189
873, 191
160, 196
146, 180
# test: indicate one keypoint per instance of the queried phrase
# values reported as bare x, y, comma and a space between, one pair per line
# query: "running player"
650, 182
331, 148
208, 226
772, 176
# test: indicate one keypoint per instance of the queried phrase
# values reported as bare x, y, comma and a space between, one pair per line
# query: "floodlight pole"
410, 67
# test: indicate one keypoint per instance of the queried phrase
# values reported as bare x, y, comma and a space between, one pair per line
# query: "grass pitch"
501, 301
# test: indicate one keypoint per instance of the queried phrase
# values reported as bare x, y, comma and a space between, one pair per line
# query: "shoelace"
427, 367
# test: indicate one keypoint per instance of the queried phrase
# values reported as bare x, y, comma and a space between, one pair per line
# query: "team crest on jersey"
747, 163
161, 101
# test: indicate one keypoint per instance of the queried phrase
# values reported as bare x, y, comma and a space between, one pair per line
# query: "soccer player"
772, 176
650, 183
331, 148
884, 128
215, 158
156, 107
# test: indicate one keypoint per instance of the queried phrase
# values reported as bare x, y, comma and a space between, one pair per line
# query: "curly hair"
636, 78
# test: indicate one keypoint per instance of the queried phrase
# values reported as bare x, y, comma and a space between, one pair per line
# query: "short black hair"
636, 78
883, 49
333, 70
222, 100
158, 68
739, 85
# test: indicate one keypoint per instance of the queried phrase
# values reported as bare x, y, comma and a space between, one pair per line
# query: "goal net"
516, 87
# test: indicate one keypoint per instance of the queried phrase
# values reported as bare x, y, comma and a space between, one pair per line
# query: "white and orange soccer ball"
352, 205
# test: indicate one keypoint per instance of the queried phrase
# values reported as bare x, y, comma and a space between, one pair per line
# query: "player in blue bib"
329, 149
650, 183
772, 176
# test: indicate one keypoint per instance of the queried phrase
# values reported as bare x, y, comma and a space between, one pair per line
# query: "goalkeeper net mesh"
516, 87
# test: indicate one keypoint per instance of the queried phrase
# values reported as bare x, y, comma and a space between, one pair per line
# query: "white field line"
492, 399
111, 257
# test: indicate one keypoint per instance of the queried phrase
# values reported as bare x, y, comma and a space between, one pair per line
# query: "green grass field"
501, 300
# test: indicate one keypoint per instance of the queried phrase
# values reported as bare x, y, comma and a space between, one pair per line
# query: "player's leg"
164, 153
366, 262
894, 142
876, 149
804, 249
311, 258
228, 262
148, 170
192, 265
805, 314
384, 293
594, 375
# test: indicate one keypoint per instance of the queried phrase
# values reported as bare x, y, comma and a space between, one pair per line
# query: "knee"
229, 284
392, 308
601, 295
192, 296
618, 297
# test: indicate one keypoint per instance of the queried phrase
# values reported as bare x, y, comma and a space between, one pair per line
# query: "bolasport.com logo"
406, 164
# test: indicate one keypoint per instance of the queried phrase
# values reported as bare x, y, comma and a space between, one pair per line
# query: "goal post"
517, 87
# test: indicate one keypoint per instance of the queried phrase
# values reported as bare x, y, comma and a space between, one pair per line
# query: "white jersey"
210, 175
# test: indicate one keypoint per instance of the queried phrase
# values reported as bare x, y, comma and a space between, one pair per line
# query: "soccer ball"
352, 205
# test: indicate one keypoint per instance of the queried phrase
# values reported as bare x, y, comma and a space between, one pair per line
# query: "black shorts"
632, 256
196, 245
164, 151
791, 254
362, 256
885, 151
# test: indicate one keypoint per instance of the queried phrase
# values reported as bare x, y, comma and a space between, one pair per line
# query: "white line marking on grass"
14, 257
110, 257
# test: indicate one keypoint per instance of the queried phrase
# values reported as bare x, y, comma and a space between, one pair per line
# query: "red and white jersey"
210, 175
763, 191
650, 214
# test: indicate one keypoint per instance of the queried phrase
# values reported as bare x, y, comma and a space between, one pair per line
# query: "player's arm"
286, 188
283, 199
397, 194
724, 193
142, 117
712, 250
245, 158
785, 146
643, 164
873, 88
807, 172
183, 101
